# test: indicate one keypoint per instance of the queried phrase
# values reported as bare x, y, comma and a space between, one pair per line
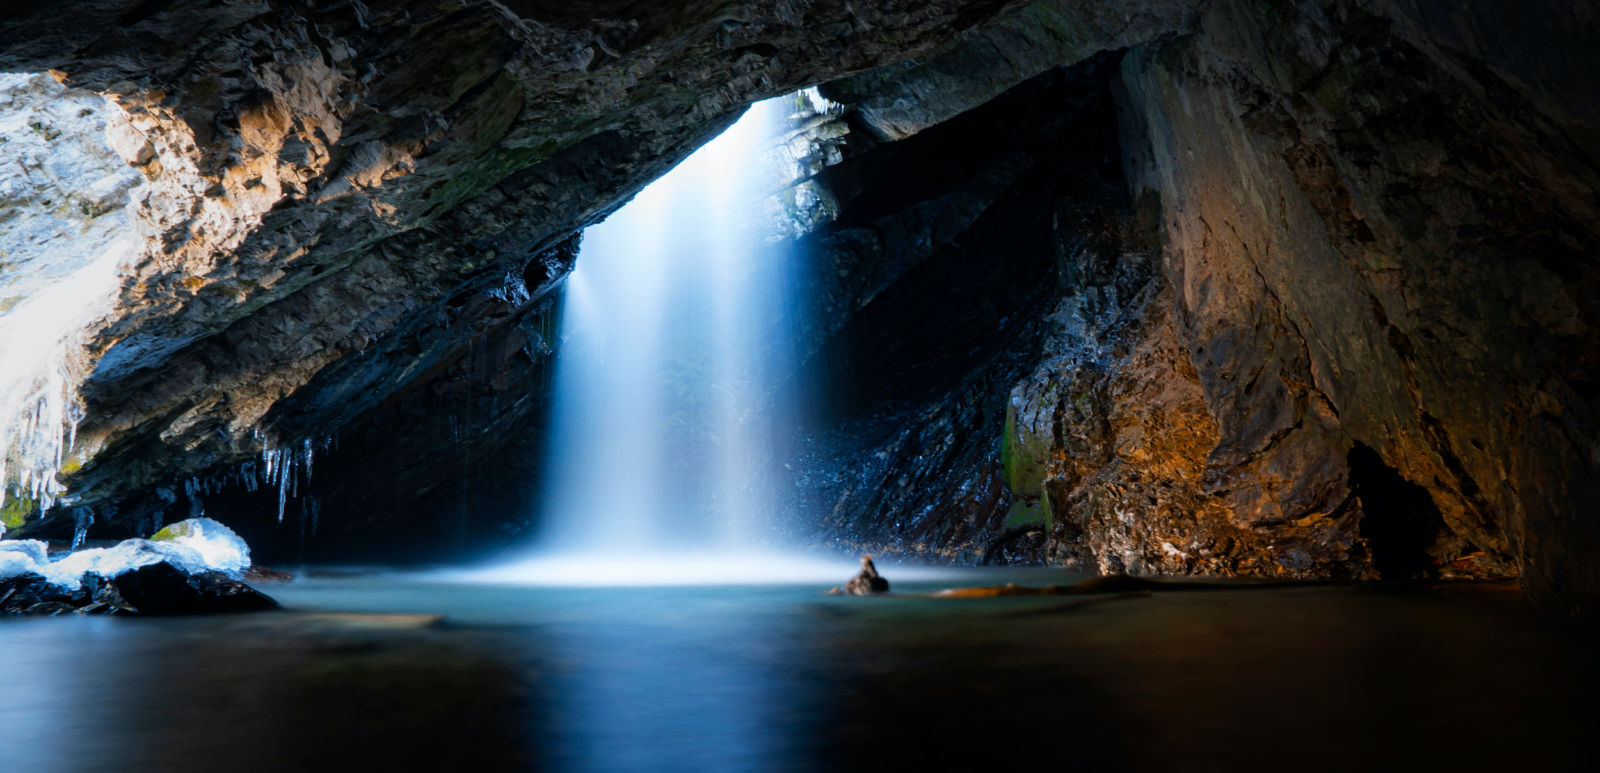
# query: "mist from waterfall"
672, 325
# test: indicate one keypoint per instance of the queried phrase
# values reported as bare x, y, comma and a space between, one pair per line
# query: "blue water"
360, 675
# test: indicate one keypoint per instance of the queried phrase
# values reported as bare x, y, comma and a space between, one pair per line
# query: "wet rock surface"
191, 567
161, 589
972, 231
1382, 247
156, 589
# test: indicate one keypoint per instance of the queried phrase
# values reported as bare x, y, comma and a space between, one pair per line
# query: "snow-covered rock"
194, 546
219, 548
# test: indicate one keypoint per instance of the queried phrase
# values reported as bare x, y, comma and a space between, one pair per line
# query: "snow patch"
193, 546
218, 547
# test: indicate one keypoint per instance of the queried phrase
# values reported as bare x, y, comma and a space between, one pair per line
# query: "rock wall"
1381, 248
334, 186
1368, 347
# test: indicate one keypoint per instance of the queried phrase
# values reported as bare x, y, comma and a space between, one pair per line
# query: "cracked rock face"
332, 183
1378, 241
1368, 346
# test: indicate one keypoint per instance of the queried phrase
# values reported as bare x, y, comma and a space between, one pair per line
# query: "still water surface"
780, 677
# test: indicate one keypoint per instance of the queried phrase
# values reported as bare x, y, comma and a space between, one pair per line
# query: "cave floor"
359, 674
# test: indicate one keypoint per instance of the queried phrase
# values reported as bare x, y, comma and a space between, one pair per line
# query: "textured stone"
161, 589
866, 583
898, 101
329, 179
1374, 241
1368, 347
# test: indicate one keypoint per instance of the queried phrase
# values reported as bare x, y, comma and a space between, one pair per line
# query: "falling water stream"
662, 426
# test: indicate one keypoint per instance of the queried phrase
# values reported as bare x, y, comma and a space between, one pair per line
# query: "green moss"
17, 511
1022, 459
1008, 453
172, 531
1026, 512
484, 173
1061, 26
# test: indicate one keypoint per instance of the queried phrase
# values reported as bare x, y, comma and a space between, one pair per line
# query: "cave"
757, 385
1399, 520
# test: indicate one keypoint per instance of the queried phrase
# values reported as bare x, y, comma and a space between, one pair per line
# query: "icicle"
314, 509
283, 486
283, 467
197, 508
84, 518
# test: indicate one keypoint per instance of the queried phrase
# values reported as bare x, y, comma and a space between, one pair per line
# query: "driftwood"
1113, 583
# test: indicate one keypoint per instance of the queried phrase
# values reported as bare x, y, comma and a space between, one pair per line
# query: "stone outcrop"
157, 589
1383, 248
191, 567
943, 267
866, 583
1368, 347
337, 188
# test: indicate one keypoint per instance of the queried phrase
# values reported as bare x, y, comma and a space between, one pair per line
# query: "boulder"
190, 567
867, 583
162, 589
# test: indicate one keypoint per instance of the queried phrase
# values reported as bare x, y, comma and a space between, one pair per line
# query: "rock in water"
217, 545
867, 583
162, 589
31, 593
190, 567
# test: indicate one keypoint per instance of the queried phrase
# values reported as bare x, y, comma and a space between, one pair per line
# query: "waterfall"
655, 436
671, 330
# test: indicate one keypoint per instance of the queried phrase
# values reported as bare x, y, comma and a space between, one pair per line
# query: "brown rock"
867, 583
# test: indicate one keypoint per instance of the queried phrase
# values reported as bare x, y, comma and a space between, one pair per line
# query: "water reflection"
781, 678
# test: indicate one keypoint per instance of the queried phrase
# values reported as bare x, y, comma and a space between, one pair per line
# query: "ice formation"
68, 234
218, 546
193, 546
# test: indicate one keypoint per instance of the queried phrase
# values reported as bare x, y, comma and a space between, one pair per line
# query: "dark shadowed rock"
161, 589
32, 594
157, 589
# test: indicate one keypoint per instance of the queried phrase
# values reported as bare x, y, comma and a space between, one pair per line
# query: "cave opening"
1400, 521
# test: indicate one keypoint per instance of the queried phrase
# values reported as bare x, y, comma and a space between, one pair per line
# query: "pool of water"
371, 670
